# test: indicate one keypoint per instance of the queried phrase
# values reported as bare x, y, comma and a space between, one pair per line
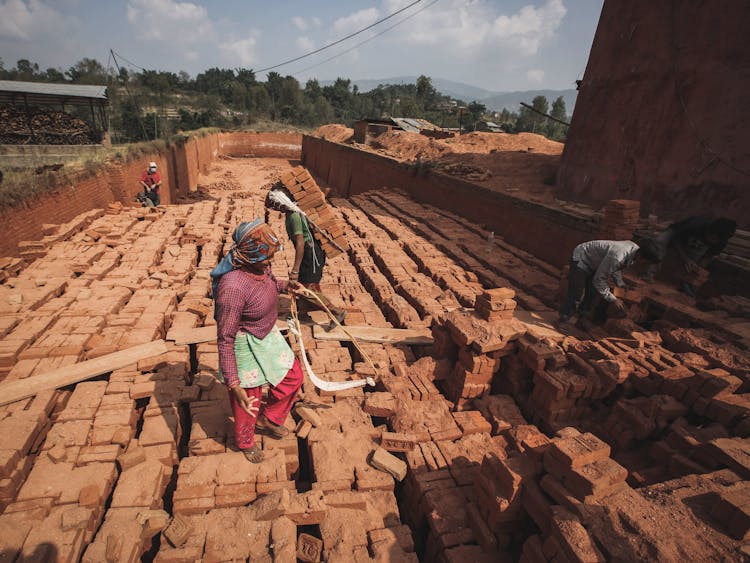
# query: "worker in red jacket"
151, 182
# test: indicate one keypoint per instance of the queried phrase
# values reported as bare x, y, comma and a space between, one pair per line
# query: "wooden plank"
205, 334
414, 337
23, 388
192, 336
540, 323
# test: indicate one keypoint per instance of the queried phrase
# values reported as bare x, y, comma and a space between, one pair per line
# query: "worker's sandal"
270, 429
253, 454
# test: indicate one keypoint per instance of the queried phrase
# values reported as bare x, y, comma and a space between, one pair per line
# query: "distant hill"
512, 100
495, 101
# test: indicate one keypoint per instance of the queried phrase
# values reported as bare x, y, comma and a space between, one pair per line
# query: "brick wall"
25, 222
548, 233
285, 145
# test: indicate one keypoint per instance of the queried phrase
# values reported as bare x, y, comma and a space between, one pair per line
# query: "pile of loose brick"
497, 442
312, 201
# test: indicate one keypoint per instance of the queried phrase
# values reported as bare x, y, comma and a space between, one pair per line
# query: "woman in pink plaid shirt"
252, 351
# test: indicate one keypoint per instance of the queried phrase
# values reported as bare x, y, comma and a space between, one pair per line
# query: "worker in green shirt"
309, 256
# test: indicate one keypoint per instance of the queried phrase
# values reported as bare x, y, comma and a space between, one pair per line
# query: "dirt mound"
334, 132
410, 146
500, 142
500, 161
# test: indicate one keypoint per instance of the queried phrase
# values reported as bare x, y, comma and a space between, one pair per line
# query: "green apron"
261, 361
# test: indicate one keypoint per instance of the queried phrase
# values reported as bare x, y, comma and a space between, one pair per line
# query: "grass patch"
21, 186
266, 126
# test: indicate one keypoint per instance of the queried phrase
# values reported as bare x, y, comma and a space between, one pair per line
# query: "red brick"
309, 548
395, 442
384, 461
577, 451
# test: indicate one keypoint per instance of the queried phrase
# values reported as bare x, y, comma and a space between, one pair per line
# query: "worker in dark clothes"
695, 241
592, 265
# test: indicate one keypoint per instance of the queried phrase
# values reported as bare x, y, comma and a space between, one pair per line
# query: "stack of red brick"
620, 219
579, 473
311, 200
496, 304
477, 341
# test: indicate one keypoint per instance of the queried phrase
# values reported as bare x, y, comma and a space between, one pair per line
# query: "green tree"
216, 81
476, 112
557, 131
26, 70
126, 124
246, 77
53, 75
340, 96
158, 82
312, 90
259, 101
529, 120
184, 79
426, 92
87, 71
290, 102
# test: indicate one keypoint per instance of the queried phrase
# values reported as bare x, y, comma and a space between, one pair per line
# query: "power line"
127, 61
386, 30
132, 99
338, 40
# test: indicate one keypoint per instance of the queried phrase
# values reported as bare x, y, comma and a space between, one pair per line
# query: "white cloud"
535, 75
242, 51
475, 25
169, 20
305, 43
299, 23
531, 26
315, 21
355, 21
29, 19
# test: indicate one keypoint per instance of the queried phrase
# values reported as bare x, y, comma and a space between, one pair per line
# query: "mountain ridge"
494, 101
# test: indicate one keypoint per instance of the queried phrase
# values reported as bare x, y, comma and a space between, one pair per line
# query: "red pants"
278, 405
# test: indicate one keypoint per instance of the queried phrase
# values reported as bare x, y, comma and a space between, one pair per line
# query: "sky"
499, 45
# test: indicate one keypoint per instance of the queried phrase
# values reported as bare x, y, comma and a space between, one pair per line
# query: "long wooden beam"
414, 337
24, 388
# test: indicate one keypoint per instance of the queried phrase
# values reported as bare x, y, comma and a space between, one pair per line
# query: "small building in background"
365, 130
488, 127
44, 124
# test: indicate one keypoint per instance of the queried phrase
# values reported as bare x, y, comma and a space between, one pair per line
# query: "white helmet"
152, 165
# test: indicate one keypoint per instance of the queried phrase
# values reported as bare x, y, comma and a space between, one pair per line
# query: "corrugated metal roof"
47, 89
414, 125
406, 124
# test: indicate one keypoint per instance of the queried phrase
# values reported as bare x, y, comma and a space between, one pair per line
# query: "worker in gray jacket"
592, 265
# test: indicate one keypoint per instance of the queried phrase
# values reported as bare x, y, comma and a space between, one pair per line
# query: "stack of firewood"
43, 127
